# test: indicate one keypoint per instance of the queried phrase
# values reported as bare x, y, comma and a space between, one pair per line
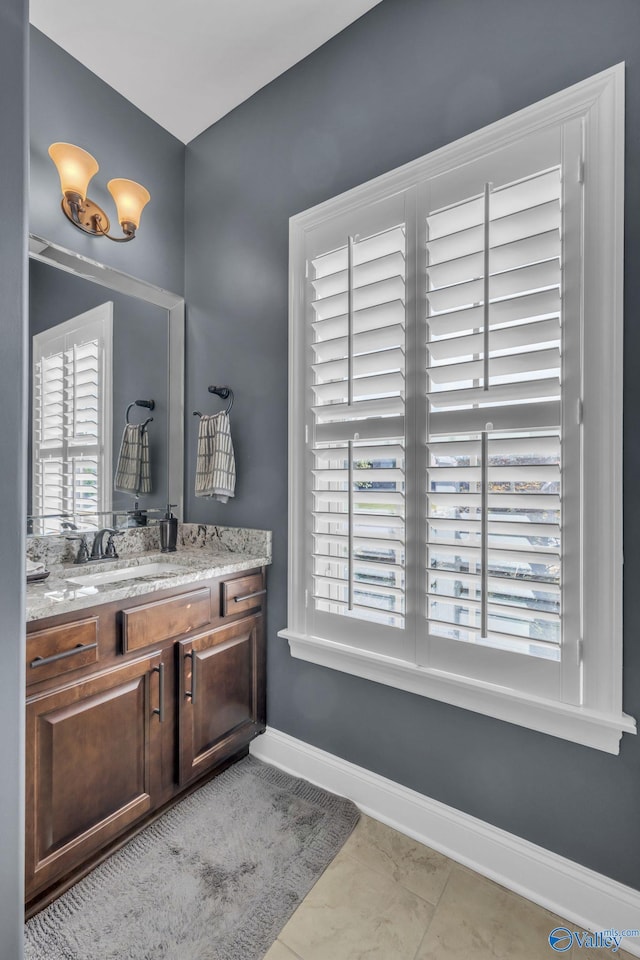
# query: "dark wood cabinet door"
221, 694
92, 757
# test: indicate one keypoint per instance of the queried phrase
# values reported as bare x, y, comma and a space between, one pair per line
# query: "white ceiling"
186, 63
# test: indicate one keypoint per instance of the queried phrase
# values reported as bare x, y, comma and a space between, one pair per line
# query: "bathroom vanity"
146, 682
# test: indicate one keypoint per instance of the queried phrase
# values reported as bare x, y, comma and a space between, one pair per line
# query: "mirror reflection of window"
145, 359
72, 392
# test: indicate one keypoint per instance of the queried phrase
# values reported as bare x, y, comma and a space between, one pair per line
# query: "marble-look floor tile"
354, 913
280, 952
478, 919
416, 867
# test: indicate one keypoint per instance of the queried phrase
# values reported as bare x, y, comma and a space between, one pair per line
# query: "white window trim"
599, 102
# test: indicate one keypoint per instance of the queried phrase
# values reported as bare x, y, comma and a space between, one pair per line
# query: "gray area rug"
216, 878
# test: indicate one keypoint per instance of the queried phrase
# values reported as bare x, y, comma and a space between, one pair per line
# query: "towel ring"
149, 404
225, 393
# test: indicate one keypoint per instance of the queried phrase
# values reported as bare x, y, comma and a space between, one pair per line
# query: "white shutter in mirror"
71, 419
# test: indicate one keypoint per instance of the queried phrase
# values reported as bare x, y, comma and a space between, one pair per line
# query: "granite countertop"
203, 552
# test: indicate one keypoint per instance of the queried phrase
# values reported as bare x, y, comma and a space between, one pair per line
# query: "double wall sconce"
76, 167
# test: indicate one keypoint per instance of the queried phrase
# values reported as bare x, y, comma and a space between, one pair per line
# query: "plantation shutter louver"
68, 429
356, 291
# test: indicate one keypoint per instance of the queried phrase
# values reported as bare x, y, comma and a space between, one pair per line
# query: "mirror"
100, 342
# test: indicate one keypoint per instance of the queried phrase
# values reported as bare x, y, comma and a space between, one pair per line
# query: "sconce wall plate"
85, 214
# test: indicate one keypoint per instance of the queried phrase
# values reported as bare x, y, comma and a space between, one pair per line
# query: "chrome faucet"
97, 552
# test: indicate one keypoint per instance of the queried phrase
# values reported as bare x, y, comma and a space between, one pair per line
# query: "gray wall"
13, 260
140, 362
408, 77
71, 104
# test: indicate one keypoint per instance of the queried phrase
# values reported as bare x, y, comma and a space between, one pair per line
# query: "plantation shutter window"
455, 422
72, 394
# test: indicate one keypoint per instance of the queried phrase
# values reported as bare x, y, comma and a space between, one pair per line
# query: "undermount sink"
141, 572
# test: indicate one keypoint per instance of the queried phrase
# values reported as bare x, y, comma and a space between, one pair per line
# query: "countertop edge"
41, 605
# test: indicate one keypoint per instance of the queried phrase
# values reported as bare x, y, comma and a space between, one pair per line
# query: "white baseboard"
589, 900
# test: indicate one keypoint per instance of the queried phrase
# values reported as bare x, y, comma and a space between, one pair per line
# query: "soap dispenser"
168, 531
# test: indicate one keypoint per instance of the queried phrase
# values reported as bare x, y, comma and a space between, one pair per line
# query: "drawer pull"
192, 693
41, 661
159, 710
249, 596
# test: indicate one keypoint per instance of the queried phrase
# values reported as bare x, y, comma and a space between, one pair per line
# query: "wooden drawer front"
243, 594
62, 649
163, 619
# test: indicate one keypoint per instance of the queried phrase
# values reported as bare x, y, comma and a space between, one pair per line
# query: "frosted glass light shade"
75, 166
131, 198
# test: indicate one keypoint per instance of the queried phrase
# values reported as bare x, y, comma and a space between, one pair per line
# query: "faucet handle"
110, 551
83, 550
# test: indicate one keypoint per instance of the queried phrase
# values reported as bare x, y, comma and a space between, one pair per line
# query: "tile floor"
387, 897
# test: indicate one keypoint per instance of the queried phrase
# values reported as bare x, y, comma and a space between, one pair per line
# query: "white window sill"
579, 724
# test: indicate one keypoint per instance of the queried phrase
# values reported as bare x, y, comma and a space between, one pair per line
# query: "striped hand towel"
215, 464
132, 471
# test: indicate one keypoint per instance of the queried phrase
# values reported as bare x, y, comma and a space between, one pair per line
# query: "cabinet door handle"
160, 708
43, 661
249, 596
192, 693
